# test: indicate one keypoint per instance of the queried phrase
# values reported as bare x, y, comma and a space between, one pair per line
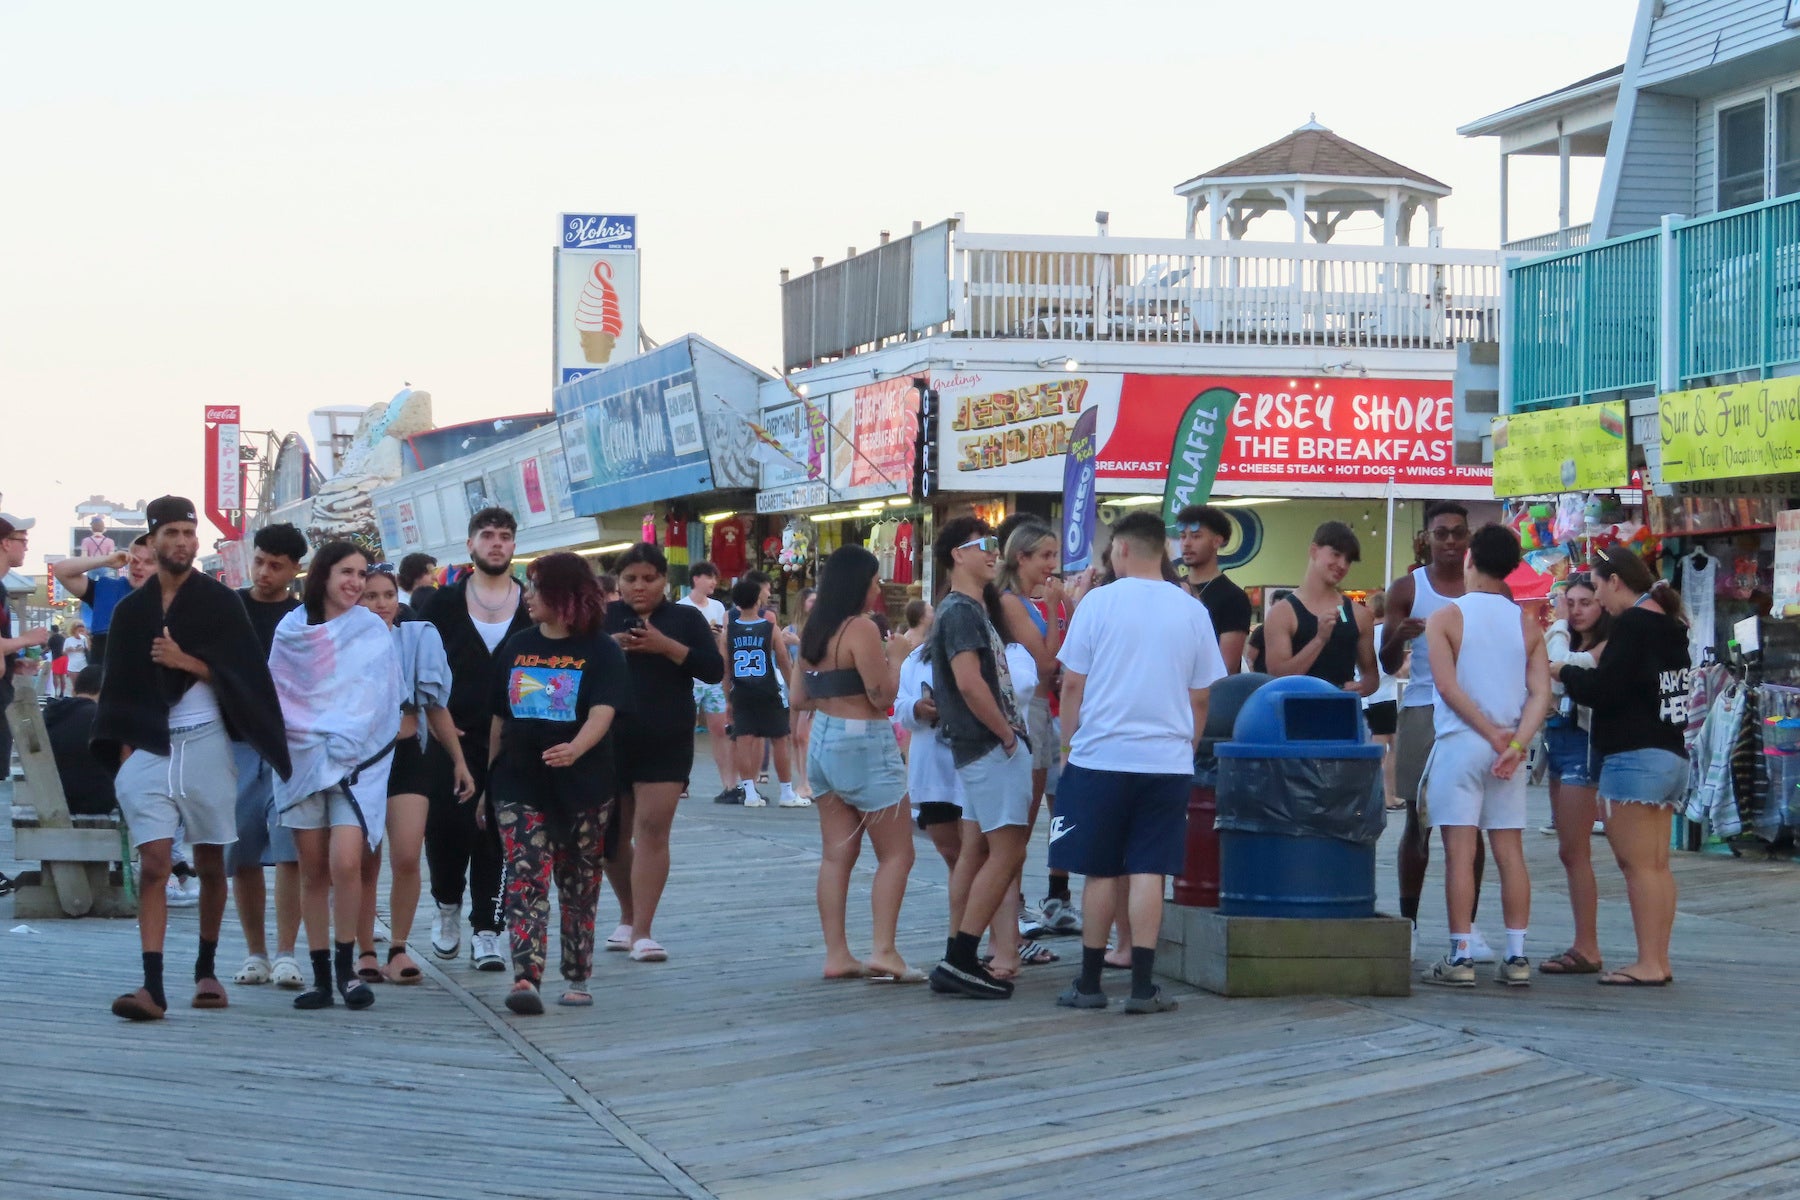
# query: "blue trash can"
1300, 805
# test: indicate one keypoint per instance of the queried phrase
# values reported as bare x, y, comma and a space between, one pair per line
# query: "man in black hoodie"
474, 616
185, 677
87, 783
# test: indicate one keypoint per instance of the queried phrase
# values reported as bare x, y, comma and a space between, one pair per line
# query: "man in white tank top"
1492, 679
1411, 600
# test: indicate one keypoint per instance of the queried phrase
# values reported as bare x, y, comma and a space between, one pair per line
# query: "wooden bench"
85, 860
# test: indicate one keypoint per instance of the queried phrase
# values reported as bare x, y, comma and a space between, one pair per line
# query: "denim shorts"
1566, 749
857, 761
1644, 777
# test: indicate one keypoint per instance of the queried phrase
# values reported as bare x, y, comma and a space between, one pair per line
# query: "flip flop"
137, 1006
369, 974
1621, 979
857, 972
210, 993
645, 950
910, 975
620, 940
1569, 963
1036, 954
576, 998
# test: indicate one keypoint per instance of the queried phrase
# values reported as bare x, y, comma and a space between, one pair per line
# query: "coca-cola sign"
598, 231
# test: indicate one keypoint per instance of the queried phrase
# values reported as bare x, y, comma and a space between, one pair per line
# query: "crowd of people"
515, 734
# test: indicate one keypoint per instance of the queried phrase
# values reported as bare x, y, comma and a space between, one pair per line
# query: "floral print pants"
534, 856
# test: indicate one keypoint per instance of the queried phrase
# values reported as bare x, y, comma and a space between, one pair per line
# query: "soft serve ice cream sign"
596, 308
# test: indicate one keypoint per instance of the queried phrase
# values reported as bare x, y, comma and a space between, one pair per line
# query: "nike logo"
1058, 827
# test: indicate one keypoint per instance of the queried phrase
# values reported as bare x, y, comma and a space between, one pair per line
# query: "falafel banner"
1575, 449
1723, 432
1007, 431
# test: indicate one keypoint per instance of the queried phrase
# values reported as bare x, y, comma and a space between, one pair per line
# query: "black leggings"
455, 847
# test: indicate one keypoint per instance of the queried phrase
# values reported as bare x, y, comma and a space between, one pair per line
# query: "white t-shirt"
198, 705
1143, 644
712, 610
492, 632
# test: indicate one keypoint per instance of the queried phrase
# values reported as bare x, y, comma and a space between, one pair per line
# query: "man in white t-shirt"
709, 698
1137, 661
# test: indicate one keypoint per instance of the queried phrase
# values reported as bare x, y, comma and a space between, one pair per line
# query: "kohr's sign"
597, 231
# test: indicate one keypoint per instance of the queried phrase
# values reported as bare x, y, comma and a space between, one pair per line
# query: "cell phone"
925, 693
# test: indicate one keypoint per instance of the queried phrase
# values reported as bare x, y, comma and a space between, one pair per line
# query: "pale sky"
288, 207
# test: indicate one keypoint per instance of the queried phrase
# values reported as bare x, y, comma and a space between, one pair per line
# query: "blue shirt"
104, 596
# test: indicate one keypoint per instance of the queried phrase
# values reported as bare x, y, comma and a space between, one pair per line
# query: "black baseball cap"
165, 510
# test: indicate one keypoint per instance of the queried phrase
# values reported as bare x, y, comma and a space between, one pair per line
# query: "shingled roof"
1313, 151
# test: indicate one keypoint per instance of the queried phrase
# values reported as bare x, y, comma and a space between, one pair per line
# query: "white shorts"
1461, 788
190, 792
323, 810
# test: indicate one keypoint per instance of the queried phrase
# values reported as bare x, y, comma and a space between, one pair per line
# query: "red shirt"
903, 553
728, 552
1055, 681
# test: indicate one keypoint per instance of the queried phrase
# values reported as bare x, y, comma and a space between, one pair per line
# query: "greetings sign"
1008, 431
224, 470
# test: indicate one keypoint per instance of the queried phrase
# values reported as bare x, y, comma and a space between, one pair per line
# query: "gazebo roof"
1313, 152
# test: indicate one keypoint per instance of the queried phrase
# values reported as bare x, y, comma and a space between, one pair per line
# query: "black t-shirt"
663, 690
87, 784
55, 645
265, 616
962, 624
1226, 603
543, 691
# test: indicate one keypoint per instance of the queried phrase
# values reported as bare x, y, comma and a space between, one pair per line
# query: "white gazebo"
1318, 179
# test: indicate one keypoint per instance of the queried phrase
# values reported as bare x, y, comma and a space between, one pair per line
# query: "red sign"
884, 426
224, 470
1326, 431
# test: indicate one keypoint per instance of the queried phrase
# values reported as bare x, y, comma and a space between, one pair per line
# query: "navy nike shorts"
1112, 823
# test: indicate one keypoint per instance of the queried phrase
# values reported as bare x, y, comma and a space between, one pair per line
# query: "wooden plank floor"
733, 1071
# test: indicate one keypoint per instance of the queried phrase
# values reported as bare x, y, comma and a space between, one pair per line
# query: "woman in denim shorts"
848, 679
1639, 695
1576, 639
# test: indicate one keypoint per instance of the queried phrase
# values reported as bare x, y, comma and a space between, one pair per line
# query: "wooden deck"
733, 1071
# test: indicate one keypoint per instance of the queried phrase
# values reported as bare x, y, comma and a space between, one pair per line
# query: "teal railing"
1739, 274
1585, 322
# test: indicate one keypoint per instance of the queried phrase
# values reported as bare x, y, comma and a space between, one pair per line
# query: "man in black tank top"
1319, 632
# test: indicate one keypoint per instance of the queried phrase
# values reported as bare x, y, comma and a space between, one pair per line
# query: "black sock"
321, 961
344, 959
1409, 908
1143, 963
964, 948
1093, 963
203, 965
1059, 888
950, 948
153, 982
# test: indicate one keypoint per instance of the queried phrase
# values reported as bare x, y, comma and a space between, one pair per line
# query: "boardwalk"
733, 1071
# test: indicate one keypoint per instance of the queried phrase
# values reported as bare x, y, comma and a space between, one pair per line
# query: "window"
1742, 155
1787, 142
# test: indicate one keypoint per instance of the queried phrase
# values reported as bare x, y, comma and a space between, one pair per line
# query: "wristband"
1515, 745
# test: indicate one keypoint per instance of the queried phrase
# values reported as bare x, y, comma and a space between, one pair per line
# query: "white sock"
1515, 943
787, 791
749, 786
1459, 945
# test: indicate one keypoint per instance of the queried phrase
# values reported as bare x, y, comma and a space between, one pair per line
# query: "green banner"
1194, 456
1575, 449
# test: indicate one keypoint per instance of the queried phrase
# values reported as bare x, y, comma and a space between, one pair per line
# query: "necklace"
495, 610
1201, 594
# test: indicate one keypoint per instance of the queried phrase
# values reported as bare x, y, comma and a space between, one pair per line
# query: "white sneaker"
286, 973
485, 948
1479, 950
791, 798
179, 896
752, 797
446, 931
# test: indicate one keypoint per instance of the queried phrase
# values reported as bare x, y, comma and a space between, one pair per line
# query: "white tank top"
1490, 666
1419, 691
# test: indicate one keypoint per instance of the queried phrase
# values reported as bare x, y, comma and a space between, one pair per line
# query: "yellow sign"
1722, 432
1562, 450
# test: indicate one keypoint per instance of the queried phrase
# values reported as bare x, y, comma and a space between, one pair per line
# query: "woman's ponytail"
1668, 599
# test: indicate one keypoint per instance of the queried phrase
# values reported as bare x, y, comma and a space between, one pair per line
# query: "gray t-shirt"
962, 624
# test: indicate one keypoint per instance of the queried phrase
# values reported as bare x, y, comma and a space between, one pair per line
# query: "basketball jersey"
753, 667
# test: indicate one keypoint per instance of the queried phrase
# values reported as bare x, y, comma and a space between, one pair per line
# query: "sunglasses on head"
987, 545
380, 569
1190, 527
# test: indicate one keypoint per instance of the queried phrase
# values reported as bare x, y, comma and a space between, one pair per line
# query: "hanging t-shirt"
903, 553
1698, 588
676, 543
728, 553
544, 689
649, 528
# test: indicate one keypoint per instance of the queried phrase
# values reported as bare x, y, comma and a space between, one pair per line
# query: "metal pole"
1388, 573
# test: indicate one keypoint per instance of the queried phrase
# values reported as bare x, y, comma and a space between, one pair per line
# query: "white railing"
1562, 239
1191, 291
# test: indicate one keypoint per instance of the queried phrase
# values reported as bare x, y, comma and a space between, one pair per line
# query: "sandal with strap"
1036, 954
369, 974
1569, 962
405, 975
